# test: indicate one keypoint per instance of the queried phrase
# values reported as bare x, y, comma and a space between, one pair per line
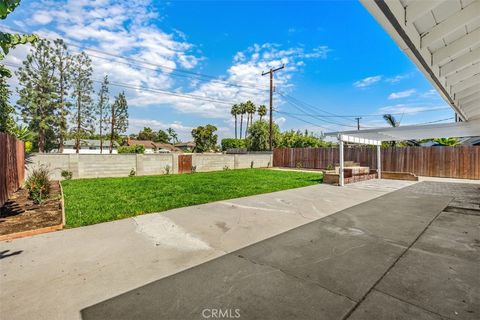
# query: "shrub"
226, 168
131, 149
330, 167
194, 169
38, 185
167, 169
67, 175
132, 173
251, 165
230, 143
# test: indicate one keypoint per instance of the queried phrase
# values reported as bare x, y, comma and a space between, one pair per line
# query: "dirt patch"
20, 214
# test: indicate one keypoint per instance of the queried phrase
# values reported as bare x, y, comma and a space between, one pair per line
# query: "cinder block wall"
120, 165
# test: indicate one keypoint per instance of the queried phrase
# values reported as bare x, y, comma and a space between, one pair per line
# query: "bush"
132, 173
67, 175
38, 185
230, 143
131, 149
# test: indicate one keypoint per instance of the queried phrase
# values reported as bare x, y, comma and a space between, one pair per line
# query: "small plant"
268, 164
38, 184
251, 165
330, 167
194, 169
67, 175
226, 168
132, 173
167, 169
299, 165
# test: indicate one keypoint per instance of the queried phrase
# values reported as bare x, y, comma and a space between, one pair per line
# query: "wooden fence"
12, 165
447, 162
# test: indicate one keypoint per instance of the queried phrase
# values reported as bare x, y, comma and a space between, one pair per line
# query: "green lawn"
90, 201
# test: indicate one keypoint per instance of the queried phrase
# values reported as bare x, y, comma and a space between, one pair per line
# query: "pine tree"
103, 109
38, 97
63, 65
118, 117
6, 110
82, 90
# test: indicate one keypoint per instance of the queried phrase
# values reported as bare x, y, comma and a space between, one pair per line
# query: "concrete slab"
250, 290
58, 274
380, 306
435, 282
343, 260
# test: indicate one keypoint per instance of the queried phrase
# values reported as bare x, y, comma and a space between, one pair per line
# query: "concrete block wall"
213, 162
120, 165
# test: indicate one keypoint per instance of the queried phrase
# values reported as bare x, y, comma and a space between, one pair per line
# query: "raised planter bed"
20, 217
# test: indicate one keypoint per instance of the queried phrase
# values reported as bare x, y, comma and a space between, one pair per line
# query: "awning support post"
379, 162
341, 174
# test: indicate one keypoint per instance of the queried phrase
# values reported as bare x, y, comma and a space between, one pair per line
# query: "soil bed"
20, 214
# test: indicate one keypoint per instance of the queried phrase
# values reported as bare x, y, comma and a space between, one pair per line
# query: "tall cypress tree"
118, 118
63, 65
38, 82
83, 117
103, 110
6, 110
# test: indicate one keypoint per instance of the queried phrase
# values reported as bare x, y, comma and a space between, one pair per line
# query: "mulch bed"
20, 214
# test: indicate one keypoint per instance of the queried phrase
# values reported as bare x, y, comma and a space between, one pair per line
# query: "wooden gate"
185, 163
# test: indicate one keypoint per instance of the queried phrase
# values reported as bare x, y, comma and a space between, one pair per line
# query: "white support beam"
459, 63
379, 162
341, 181
418, 8
467, 83
457, 47
463, 74
451, 24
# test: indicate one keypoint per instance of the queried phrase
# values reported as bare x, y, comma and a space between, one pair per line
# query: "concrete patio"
368, 250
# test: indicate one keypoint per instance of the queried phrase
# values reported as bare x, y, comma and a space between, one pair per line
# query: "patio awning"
443, 130
442, 37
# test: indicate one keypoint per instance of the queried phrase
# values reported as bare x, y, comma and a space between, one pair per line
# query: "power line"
177, 71
154, 90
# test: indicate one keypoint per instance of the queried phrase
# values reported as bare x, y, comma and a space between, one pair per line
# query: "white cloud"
410, 109
42, 18
398, 78
368, 81
401, 94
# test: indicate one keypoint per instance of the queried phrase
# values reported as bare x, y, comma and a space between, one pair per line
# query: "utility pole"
358, 122
271, 71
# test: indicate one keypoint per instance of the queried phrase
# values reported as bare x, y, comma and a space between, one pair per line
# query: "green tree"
118, 118
147, 134
259, 133
173, 136
9, 41
262, 111
162, 137
297, 139
6, 110
103, 109
235, 112
82, 84
205, 138
63, 61
448, 141
38, 98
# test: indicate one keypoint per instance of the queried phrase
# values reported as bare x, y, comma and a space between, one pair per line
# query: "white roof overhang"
442, 37
454, 129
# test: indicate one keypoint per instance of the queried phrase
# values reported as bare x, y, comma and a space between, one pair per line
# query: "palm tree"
390, 119
262, 111
235, 112
242, 109
250, 110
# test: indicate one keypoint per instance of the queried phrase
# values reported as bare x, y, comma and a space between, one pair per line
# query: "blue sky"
338, 60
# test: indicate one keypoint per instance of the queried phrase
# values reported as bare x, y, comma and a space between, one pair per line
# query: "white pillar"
379, 162
341, 177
